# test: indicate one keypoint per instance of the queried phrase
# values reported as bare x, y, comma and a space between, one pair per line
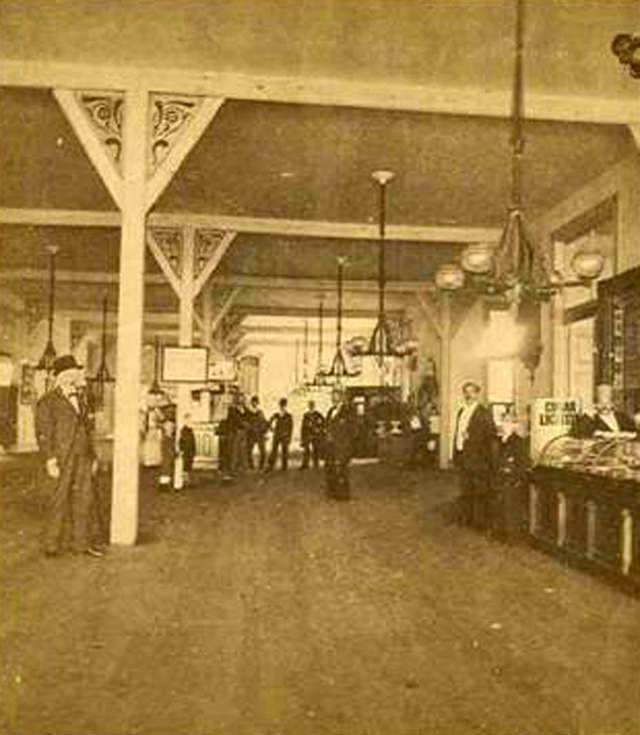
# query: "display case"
614, 456
584, 505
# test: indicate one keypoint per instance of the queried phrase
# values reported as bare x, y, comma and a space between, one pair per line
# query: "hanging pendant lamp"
155, 389
339, 369
102, 375
49, 354
320, 379
381, 343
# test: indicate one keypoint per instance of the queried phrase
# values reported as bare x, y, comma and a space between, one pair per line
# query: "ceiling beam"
317, 91
315, 284
65, 276
257, 225
311, 312
263, 283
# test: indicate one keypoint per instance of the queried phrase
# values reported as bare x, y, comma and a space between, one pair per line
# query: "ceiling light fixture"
518, 269
339, 369
381, 343
102, 375
627, 48
49, 354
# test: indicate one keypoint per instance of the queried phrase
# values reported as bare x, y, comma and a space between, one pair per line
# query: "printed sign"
184, 364
551, 417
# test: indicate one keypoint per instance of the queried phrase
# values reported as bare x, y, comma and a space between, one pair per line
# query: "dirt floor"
263, 608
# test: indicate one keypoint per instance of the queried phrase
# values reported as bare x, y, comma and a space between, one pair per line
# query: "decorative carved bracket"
170, 116
105, 112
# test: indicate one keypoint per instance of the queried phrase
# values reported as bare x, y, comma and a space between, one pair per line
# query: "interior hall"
320, 367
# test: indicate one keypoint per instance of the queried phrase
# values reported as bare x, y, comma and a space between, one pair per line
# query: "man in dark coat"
474, 454
311, 436
282, 426
339, 435
237, 428
64, 435
187, 446
258, 426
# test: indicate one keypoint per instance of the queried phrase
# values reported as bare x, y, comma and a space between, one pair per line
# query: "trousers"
282, 443
312, 450
69, 506
337, 477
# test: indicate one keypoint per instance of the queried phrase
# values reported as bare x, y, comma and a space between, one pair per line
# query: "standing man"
187, 446
237, 426
311, 436
339, 436
258, 426
474, 454
282, 426
64, 435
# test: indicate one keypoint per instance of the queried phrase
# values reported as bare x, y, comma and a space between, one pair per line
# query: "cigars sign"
551, 417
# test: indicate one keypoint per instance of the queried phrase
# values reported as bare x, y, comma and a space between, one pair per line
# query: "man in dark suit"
64, 435
282, 426
311, 436
474, 454
339, 435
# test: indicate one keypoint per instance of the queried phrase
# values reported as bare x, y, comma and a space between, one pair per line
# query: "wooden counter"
588, 520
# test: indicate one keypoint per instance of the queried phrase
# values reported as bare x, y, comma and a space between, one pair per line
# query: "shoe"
97, 553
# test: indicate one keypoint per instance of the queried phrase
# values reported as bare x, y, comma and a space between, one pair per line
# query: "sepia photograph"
320, 367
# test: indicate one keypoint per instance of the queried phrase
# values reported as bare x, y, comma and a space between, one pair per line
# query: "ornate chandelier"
518, 268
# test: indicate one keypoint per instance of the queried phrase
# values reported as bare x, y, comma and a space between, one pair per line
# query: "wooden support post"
124, 512
185, 334
445, 373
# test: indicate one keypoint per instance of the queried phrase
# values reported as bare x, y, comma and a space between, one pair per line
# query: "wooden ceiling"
312, 162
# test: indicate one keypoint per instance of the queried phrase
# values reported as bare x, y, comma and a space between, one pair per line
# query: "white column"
185, 335
445, 380
124, 513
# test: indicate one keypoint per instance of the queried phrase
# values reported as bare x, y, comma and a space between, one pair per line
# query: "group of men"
329, 437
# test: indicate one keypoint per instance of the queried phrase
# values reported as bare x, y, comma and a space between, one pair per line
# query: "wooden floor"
263, 608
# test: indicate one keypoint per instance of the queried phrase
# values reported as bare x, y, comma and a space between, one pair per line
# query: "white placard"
551, 417
224, 370
184, 364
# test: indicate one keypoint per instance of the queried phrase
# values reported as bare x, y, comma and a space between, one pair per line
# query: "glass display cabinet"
615, 456
584, 504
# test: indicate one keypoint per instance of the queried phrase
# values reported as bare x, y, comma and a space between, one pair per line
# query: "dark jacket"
237, 419
187, 441
282, 425
312, 427
61, 431
257, 423
585, 426
479, 450
340, 431
624, 422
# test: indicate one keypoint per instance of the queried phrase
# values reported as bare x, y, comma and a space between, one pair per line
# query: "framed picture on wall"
28, 393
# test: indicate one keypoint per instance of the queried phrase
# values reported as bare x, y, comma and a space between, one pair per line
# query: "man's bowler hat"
65, 362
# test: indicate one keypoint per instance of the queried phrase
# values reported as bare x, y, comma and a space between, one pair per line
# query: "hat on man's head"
65, 362
472, 384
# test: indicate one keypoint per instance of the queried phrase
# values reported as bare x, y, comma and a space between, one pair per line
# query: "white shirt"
464, 417
610, 420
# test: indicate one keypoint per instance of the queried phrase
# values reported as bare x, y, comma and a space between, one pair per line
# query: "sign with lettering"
551, 417
184, 364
